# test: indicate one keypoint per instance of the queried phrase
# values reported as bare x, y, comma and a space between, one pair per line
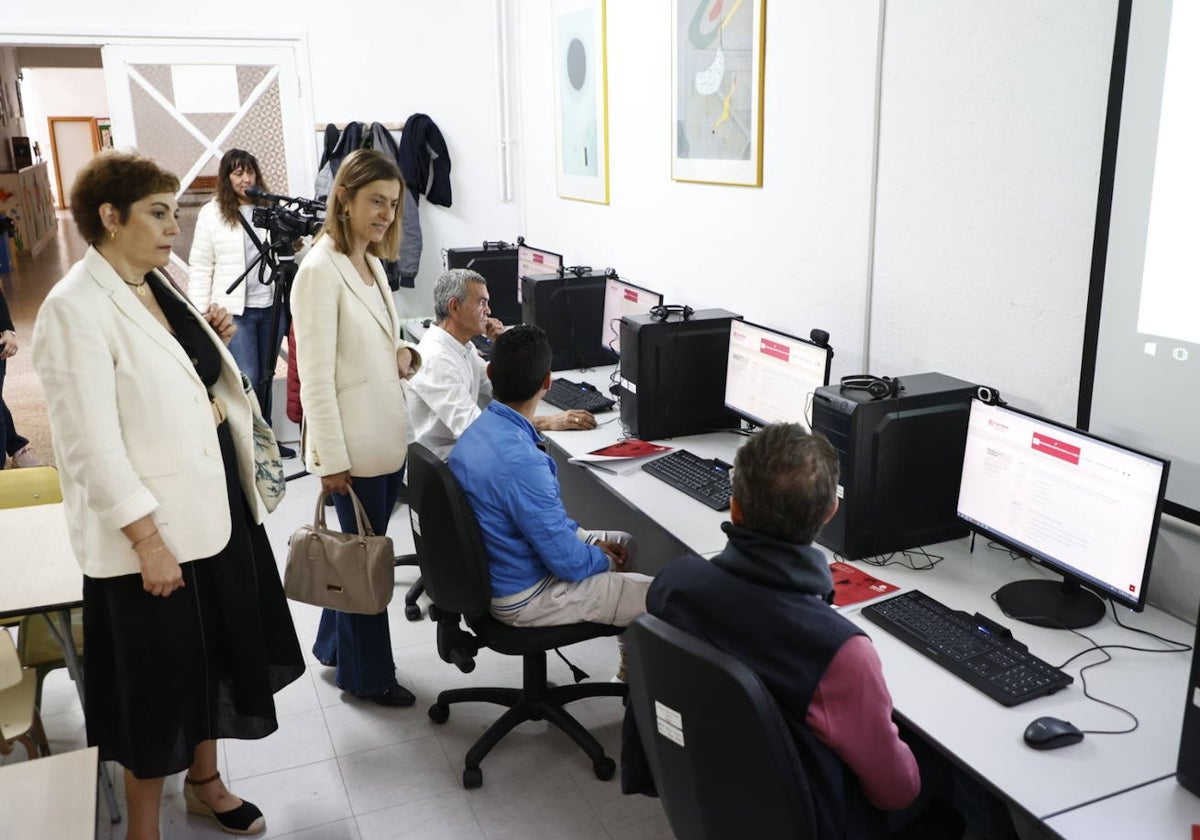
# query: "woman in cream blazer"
187, 634
351, 362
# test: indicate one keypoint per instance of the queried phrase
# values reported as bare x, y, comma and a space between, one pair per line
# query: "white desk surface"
1162, 810
67, 780
987, 737
695, 525
37, 565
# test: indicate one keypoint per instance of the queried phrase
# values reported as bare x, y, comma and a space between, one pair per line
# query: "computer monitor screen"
621, 299
1082, 506
770, 376
535, 261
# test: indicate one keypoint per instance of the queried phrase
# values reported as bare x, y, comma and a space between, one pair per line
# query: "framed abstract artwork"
717, 90
580, 100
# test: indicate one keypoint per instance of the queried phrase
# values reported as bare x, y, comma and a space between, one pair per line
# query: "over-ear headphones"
877, 386
662, 312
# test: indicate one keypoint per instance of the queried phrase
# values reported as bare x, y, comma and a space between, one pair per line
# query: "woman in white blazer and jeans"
221, 251
351, 362
187, 634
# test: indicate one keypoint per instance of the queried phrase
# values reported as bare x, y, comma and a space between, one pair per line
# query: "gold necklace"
139, 288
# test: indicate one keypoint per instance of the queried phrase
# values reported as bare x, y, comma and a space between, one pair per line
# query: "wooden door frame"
63, 203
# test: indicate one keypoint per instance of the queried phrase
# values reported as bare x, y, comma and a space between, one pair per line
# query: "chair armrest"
454, 644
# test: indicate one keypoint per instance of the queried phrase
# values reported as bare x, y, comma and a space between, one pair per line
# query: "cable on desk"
880, 561
1104, 650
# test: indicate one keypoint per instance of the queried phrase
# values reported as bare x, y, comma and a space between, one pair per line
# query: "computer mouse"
1050, 733
426, 323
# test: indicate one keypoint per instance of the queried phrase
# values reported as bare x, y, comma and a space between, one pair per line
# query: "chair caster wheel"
439, 713
472, 778
604, 768
412, 612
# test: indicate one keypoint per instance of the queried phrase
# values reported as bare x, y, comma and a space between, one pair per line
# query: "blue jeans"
10, 442
251, 349
361, 645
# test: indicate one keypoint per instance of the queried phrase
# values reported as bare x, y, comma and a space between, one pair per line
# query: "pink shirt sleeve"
851, 713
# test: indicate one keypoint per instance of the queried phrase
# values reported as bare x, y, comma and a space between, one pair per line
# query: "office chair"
721, 755
455, 570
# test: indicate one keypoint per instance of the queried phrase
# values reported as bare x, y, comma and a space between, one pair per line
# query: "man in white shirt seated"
452, 387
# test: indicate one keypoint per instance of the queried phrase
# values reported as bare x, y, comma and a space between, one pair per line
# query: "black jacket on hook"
423, 152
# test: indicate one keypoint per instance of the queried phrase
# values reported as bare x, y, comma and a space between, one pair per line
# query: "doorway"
73, 142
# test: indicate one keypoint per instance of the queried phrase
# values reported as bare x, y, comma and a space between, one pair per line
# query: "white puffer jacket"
218, 258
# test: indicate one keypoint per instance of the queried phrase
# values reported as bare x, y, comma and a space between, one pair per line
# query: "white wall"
991, 130
55, 92
792, 254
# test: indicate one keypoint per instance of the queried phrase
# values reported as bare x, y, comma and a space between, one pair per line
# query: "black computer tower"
570, 308
1187, 772
901, 464
497, 262
673, 374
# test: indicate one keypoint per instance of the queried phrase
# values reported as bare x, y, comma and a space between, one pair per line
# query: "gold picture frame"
717, 67
581, 100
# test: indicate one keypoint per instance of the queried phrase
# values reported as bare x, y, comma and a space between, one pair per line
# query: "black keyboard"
973, 648
580, 396
705, 480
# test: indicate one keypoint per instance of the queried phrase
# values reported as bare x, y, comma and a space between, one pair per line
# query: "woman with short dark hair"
187, 634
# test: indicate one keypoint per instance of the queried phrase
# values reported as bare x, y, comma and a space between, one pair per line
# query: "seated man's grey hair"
452, 284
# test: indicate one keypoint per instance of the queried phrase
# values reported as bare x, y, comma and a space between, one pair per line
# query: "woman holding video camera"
351, 361
222, 248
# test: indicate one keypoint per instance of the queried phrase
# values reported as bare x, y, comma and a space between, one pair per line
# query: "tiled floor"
340, 769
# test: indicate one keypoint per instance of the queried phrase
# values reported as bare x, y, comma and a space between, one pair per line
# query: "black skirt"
164, 674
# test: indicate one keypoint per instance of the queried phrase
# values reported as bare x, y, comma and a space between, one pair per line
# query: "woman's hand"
221, 321
161, 572
336, 483
8, 344
404, 360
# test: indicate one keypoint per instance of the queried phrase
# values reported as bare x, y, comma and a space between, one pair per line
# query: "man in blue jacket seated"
545, 569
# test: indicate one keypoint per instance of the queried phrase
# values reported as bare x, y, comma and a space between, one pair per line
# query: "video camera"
284, 223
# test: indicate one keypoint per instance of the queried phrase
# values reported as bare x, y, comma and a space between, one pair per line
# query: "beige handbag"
351, 573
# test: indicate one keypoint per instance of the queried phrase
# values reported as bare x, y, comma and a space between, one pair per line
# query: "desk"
41, 576
1161, 809
987, 737
666, 522
973, 730
53, 796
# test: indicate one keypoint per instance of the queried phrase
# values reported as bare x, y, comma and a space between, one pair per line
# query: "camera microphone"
255, 191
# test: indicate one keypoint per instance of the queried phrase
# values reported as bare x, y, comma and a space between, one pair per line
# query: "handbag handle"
360, 515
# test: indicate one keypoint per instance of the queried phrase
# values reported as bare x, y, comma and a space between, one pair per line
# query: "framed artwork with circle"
580, 100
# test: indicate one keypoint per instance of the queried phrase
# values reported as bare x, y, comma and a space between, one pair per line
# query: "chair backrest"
454, 566
29, 486
722, 756
10, 664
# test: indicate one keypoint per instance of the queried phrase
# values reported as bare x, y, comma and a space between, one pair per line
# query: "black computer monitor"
497, 263
622, 298
1082, 506
770, 376
532, 261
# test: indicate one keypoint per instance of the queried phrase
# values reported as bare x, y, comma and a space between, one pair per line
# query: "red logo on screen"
539, 258
1133, 587
1059, 449
630, 294
775, 349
